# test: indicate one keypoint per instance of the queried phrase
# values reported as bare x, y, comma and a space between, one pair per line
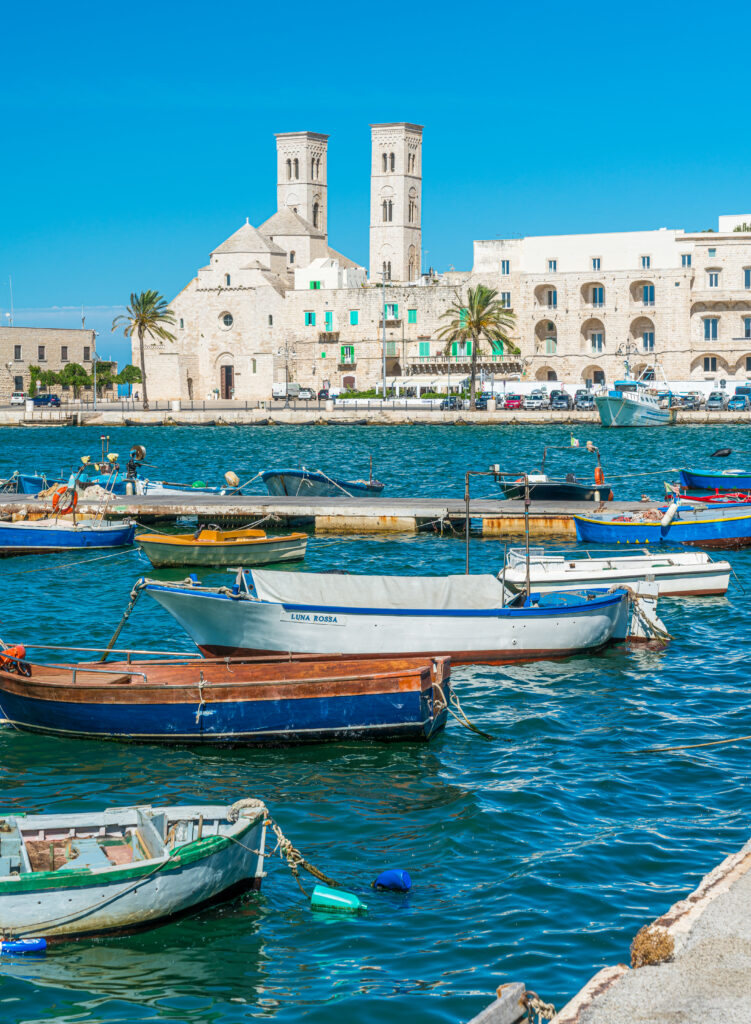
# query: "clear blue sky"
136, 137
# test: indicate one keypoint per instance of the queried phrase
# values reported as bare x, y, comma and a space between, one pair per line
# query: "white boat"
679, 573
65, 875
634, 403
470, 618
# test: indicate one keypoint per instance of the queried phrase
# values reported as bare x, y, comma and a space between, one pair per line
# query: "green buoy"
337, 900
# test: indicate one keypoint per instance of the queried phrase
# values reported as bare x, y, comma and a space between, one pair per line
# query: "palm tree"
481, 316
147, 314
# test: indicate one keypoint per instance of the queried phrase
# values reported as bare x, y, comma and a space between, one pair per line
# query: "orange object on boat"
57, 498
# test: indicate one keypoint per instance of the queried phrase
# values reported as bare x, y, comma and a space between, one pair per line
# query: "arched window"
391, 210
392, 161
385, 162
385, 209
253, 364
227, 280
313, 168
384, 274
388, 271
289, 170
297, 168
292, 256
318, 168
315, 215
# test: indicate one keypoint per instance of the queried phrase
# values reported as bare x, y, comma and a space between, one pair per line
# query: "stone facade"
278, 303
395, 202
50, 348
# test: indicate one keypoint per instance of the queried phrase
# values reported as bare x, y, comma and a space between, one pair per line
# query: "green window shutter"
390, 348
411, 316
354, 317
454, 348
424, 348
343, 354
312, 284
462, 316
329, 318
396, 311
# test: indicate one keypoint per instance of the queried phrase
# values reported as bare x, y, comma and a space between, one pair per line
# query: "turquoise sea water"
535, 856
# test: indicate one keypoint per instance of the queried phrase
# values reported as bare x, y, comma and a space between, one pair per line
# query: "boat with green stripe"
91, 873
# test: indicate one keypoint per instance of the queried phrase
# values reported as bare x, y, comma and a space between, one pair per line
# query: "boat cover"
327, 590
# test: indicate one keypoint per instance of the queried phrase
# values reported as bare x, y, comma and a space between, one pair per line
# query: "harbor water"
535, 855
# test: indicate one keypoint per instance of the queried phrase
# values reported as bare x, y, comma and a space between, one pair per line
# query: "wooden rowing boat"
66, 875
234, 701
212, 546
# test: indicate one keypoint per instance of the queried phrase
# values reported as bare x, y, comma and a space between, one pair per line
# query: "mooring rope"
459, 714
535, 1005
690, 746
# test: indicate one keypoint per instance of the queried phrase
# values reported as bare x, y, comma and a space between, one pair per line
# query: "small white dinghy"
65, 875
677, 573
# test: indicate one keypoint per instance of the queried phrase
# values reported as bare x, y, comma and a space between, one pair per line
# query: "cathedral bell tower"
395, 201
301, 176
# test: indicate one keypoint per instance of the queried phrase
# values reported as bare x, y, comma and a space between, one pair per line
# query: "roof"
247, 239
344, 261
287, 222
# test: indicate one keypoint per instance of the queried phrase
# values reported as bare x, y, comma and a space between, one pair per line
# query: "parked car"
536, 400
481, 402
738, 403
306, 394
452, 403
691, 402
323, 394
47, 399
561, 401
17, 398
513, 402
717, 400
584, 401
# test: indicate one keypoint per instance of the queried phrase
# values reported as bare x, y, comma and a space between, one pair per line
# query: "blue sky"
137, 137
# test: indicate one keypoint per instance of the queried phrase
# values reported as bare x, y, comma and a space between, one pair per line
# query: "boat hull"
24, 538
715, 481
616, 411
266, 552
726, 532
72, 903
708, 578
559, 491
310, 484
401, 700
222, 626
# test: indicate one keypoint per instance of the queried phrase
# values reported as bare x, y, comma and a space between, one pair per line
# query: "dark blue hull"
716, 481
383, 716
21, 539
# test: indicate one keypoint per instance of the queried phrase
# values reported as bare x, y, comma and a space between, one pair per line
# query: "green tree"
104, 375
73, 375
148, 313
129, 374
482, 316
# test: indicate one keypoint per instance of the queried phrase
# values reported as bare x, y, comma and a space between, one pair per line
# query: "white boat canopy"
328, 590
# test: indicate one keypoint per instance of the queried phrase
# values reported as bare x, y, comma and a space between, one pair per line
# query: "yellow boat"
211, 546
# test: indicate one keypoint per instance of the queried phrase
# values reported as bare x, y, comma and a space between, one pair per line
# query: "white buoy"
232, 478
670, 514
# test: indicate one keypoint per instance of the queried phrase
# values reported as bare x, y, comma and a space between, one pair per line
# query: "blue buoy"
13, 947
394, 879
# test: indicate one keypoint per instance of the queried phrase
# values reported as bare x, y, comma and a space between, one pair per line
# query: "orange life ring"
599, 476
57, 497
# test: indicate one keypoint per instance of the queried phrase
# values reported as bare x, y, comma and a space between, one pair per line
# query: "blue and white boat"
634, 402
313, 483
726, 480
726, 526
471, 618
42, 536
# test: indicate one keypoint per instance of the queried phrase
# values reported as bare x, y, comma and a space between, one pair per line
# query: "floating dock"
493, 517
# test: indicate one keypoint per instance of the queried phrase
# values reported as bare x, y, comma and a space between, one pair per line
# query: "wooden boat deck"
343, 515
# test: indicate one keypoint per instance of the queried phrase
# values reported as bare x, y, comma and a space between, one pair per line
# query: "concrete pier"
494, 517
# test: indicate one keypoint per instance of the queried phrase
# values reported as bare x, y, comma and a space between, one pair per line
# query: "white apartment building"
278, 301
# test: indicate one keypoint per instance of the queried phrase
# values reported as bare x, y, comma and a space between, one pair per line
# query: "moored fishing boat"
546, 488
676, 573
212, 546
39, 536
724, 526
726, 480
310, 483
634, 402
92, 872
469, 618
230, 702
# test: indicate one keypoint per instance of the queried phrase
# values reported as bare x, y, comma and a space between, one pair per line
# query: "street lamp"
94, 361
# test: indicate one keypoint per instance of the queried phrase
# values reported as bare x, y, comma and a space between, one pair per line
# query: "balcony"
389, 323
331, 336
346, 367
